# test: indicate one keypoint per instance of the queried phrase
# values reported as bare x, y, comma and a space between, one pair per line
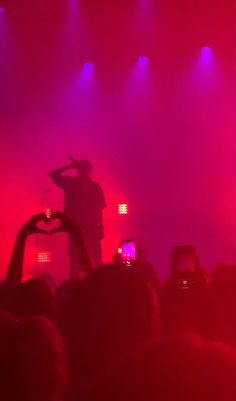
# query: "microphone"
71, 158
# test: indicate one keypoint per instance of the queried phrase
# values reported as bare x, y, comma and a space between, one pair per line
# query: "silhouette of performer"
84, 202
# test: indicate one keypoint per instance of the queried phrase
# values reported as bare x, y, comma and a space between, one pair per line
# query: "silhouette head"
32, 360
84, 167
34, 297
181, 368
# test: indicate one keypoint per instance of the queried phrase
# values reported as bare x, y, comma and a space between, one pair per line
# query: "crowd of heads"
120, 333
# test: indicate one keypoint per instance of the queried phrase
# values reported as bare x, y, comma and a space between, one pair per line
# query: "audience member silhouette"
34, 297
175, 368
116, 344
223, 284
109, 313
32, 360
185, 299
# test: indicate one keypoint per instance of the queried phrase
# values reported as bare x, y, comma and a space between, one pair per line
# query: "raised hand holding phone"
128, 252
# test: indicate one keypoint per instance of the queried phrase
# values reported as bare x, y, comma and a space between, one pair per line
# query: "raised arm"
57, 174
68, 226
15, 268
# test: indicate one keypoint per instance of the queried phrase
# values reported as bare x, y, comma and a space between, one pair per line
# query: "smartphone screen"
185, 283
185, 263
184, 258
128, 252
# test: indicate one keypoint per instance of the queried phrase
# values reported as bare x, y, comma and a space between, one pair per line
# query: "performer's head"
84, 167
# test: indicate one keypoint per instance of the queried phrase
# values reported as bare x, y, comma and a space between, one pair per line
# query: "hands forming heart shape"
41, 224
48, 226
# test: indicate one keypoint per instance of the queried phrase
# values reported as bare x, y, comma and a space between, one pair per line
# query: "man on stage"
84, 202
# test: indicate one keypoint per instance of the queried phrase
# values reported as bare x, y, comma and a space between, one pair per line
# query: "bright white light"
48, 213
43, 257
123, 208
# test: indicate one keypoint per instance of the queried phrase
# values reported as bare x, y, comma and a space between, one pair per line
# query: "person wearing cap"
84, 202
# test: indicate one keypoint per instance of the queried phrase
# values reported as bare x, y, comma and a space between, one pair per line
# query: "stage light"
206, 51
206, 54
73, 5
43, 257
123, 208
2, 10
83, 82
88, 67
143, 60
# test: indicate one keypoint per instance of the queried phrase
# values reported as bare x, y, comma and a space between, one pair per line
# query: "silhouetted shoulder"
62, 181
99, 194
